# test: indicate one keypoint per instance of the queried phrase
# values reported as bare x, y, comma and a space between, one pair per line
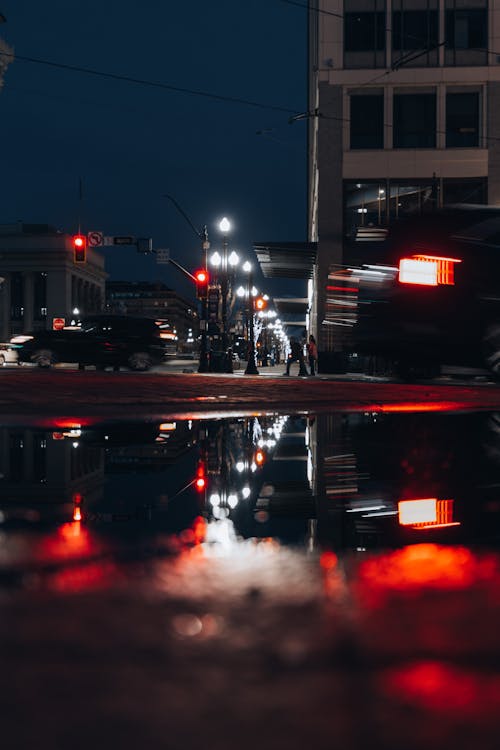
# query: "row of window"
377, 203
414, 120
417, 31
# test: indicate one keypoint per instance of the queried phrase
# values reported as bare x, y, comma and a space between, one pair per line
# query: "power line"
146, 82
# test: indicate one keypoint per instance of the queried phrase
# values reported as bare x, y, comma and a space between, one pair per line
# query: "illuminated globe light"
224, 225
215, 259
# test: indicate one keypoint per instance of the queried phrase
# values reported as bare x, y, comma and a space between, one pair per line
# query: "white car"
8, 355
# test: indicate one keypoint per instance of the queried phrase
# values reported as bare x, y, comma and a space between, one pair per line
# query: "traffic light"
201, 277
260, 304
201, 478
79, 248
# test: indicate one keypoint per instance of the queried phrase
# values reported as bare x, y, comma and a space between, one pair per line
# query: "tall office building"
404, 117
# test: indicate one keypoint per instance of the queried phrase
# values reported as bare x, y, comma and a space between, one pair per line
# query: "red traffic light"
79, 248
201, 277
200, 481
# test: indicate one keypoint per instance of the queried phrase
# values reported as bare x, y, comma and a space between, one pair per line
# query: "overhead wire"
393, 69
150, 83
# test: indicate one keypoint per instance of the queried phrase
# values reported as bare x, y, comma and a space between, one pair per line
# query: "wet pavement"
72, 394
311, 579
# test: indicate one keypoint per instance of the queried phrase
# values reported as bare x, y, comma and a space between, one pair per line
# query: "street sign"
58, 324
123, 240
163, 255
95, 239
144, 245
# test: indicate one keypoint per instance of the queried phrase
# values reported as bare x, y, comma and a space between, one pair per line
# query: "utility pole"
205, 246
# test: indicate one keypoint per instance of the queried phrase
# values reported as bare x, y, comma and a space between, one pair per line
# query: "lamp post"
224, 227
225, 265
203, 365
251, 368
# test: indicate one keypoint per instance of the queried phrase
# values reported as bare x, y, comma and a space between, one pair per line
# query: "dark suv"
101, 340
437, 300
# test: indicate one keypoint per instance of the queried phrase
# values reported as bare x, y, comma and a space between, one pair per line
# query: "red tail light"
427, 270
426, 513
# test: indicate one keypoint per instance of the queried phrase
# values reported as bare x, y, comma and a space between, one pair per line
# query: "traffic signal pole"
204, 363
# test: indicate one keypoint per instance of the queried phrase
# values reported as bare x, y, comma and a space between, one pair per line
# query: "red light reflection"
424, 566
441, 688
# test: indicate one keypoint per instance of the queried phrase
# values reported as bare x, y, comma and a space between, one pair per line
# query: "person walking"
312, 355
296, 355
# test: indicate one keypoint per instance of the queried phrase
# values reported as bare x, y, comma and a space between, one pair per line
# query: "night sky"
132, 143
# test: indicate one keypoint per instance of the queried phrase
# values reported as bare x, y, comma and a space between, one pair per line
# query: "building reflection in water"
340, 481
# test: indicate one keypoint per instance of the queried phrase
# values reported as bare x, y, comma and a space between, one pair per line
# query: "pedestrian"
312, 355
296, 355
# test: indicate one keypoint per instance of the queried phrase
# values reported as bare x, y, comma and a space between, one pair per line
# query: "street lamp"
224, 226
251, 368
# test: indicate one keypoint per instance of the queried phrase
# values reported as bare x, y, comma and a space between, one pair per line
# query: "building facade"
404, 117
40, 281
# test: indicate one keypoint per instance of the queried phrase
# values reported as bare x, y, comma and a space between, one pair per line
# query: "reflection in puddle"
336, 481
351, 555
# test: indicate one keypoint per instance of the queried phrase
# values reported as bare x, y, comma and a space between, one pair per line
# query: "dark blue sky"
132, 143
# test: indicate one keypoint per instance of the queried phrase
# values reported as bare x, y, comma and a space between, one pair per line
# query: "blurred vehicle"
8, 355
101, 340
434, 298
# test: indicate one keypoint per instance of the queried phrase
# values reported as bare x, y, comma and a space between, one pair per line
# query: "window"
16, 296
415, 31
365, 205
462, 120
413, 199
466, 29
414, 121
40, 296
364, 31
465, 191
466, 36
367, 121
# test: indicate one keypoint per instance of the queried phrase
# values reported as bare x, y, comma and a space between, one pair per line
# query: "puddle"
334, 481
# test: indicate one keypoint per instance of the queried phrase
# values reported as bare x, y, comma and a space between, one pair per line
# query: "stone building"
40, 281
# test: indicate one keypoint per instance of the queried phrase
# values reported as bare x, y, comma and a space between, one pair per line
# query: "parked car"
8, 355
101, 340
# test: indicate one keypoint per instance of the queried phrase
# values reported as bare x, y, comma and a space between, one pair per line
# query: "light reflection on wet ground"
332, 576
